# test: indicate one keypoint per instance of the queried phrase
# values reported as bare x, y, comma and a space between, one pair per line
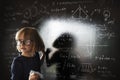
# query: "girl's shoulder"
18, 59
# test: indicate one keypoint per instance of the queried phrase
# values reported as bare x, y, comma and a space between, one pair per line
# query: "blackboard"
103, 15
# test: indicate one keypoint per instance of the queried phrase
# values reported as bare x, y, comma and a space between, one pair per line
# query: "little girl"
29, 44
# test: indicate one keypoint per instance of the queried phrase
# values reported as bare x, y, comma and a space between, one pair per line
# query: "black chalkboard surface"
95, 25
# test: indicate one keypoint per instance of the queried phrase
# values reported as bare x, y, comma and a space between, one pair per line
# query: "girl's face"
24, 46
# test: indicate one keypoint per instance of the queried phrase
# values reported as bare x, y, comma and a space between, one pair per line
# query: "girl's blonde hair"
30, 33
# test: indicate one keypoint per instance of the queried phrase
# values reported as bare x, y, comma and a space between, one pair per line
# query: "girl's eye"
27, 42
24, 42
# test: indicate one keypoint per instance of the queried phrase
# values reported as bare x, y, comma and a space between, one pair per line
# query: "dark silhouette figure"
67, 63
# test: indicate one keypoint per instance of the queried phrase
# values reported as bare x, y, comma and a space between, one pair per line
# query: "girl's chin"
23, 51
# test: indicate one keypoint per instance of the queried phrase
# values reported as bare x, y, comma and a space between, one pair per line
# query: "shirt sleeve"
16, 70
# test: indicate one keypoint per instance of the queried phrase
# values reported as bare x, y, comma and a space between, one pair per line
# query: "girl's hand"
34, 76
